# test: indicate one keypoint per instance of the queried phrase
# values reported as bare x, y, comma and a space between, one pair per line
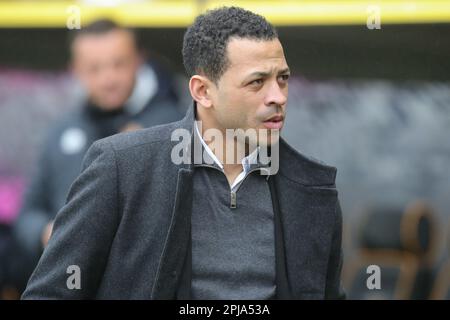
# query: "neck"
230, 151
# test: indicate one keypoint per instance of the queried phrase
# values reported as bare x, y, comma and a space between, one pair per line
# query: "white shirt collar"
252, 158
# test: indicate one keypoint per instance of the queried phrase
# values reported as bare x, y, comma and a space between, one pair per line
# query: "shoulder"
70, 126
149, 139
304, 169
75, 118
135, 157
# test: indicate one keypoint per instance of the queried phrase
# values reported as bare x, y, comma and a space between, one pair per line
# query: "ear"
200, 87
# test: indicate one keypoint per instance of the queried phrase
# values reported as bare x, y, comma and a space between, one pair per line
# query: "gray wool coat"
126, 224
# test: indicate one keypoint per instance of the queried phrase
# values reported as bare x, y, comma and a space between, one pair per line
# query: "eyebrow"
263, 74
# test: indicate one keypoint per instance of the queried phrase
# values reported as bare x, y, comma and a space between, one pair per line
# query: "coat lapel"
172, 265
177, 242
305, 206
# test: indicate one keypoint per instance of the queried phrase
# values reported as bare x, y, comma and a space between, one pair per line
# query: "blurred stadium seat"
403, 243
441, 287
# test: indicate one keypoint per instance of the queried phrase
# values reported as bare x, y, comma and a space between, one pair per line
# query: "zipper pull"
233, 200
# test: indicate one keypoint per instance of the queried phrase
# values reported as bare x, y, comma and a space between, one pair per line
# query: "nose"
107, 75
276, 94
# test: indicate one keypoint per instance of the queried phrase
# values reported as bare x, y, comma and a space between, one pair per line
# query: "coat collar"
188, 121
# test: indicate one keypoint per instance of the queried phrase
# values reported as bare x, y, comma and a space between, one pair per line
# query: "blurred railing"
179, 13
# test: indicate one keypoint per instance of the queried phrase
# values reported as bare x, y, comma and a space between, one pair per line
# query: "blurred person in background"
122, 93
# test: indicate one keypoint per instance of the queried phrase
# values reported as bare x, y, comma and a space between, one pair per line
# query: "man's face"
106, 64
252, 93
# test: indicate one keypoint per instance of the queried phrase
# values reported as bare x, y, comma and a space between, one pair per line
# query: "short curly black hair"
205, 41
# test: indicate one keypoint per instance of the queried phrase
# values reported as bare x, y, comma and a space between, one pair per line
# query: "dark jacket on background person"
63, 152
127, 224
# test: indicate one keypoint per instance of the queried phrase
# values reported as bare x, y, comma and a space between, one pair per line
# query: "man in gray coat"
166, 213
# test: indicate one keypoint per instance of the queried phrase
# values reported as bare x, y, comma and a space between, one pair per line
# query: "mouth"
274, 122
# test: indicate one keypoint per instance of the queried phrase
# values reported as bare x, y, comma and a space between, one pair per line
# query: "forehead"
111, 41
246, 54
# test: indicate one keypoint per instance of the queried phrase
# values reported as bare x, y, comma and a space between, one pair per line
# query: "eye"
284, 77
256, 82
